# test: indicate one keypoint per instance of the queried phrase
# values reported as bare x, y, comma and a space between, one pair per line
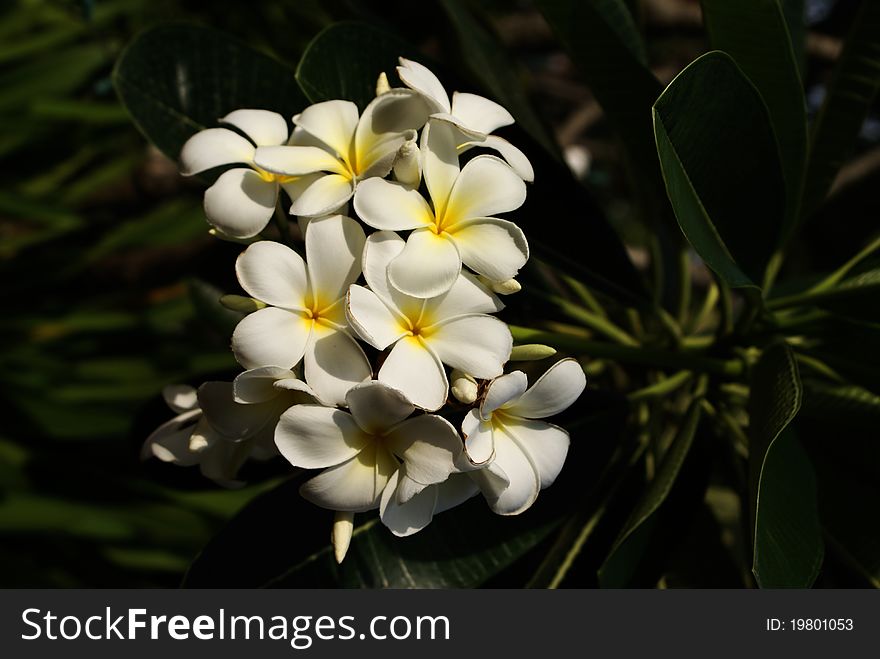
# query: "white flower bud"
407, 164
464, 387
382, 86
340, 536
506, 287
531, 352
241, 303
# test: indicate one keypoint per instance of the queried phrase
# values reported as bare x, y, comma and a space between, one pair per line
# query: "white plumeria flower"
217, 433
339, 148
305, 318
521, 454
450, 329
476, 116
456, 227
242, 200
416, 513
362, 452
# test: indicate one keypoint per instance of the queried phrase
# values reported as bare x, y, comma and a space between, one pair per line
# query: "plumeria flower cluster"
373, 354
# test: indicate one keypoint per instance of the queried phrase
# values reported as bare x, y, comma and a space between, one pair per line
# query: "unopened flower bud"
506, 287
531, 352
407, 164
382, 85
241, 303
464, 387
340, 536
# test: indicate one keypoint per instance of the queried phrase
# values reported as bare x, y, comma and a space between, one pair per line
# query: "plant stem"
709, 303
632, 354
834, 278
594, 321
725, 327
583, 292
662, 388
684, 300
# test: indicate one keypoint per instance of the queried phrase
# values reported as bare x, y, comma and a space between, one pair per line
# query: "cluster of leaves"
736, 425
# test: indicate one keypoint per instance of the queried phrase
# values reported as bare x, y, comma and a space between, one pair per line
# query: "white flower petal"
486, 186
476, 344
297, 160
514, 157
553, 392
420, 78
494, 248
214, 147
439, 148
391, 206
376, 407
294, 186
180, 397
467, 295
275, 274
334, 247
170, 441
428, 265
478, 444
457, 489
387, 122
521, 474
334, 363
314, 436
374, 322
503, 390
355, 485
545, 444
415, 370
332, 122
240, 203
271, 337
257, 384
404, 519
265, 128
479, 113
326, 194
232, 420
381, 248
428, 445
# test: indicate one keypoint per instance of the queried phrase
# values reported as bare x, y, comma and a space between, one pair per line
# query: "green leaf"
755, 34
726, 186
625, 554
843, 404
177, 79
847, 103
604, 43
795, 18
345, 59
787, 542
280, 540
488, 60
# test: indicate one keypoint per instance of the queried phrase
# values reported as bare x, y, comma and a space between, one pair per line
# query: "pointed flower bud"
340, 536
464, 387
382, 86
241, 303
407, 164
506, 287
531, 352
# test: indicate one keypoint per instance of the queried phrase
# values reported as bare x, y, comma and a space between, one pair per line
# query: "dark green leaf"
795, 18
280, 540
488, 61
625, 554
847, 102
755, 34
787, 542
344, 61
843, 404
177, 79
726, 186
857, 297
